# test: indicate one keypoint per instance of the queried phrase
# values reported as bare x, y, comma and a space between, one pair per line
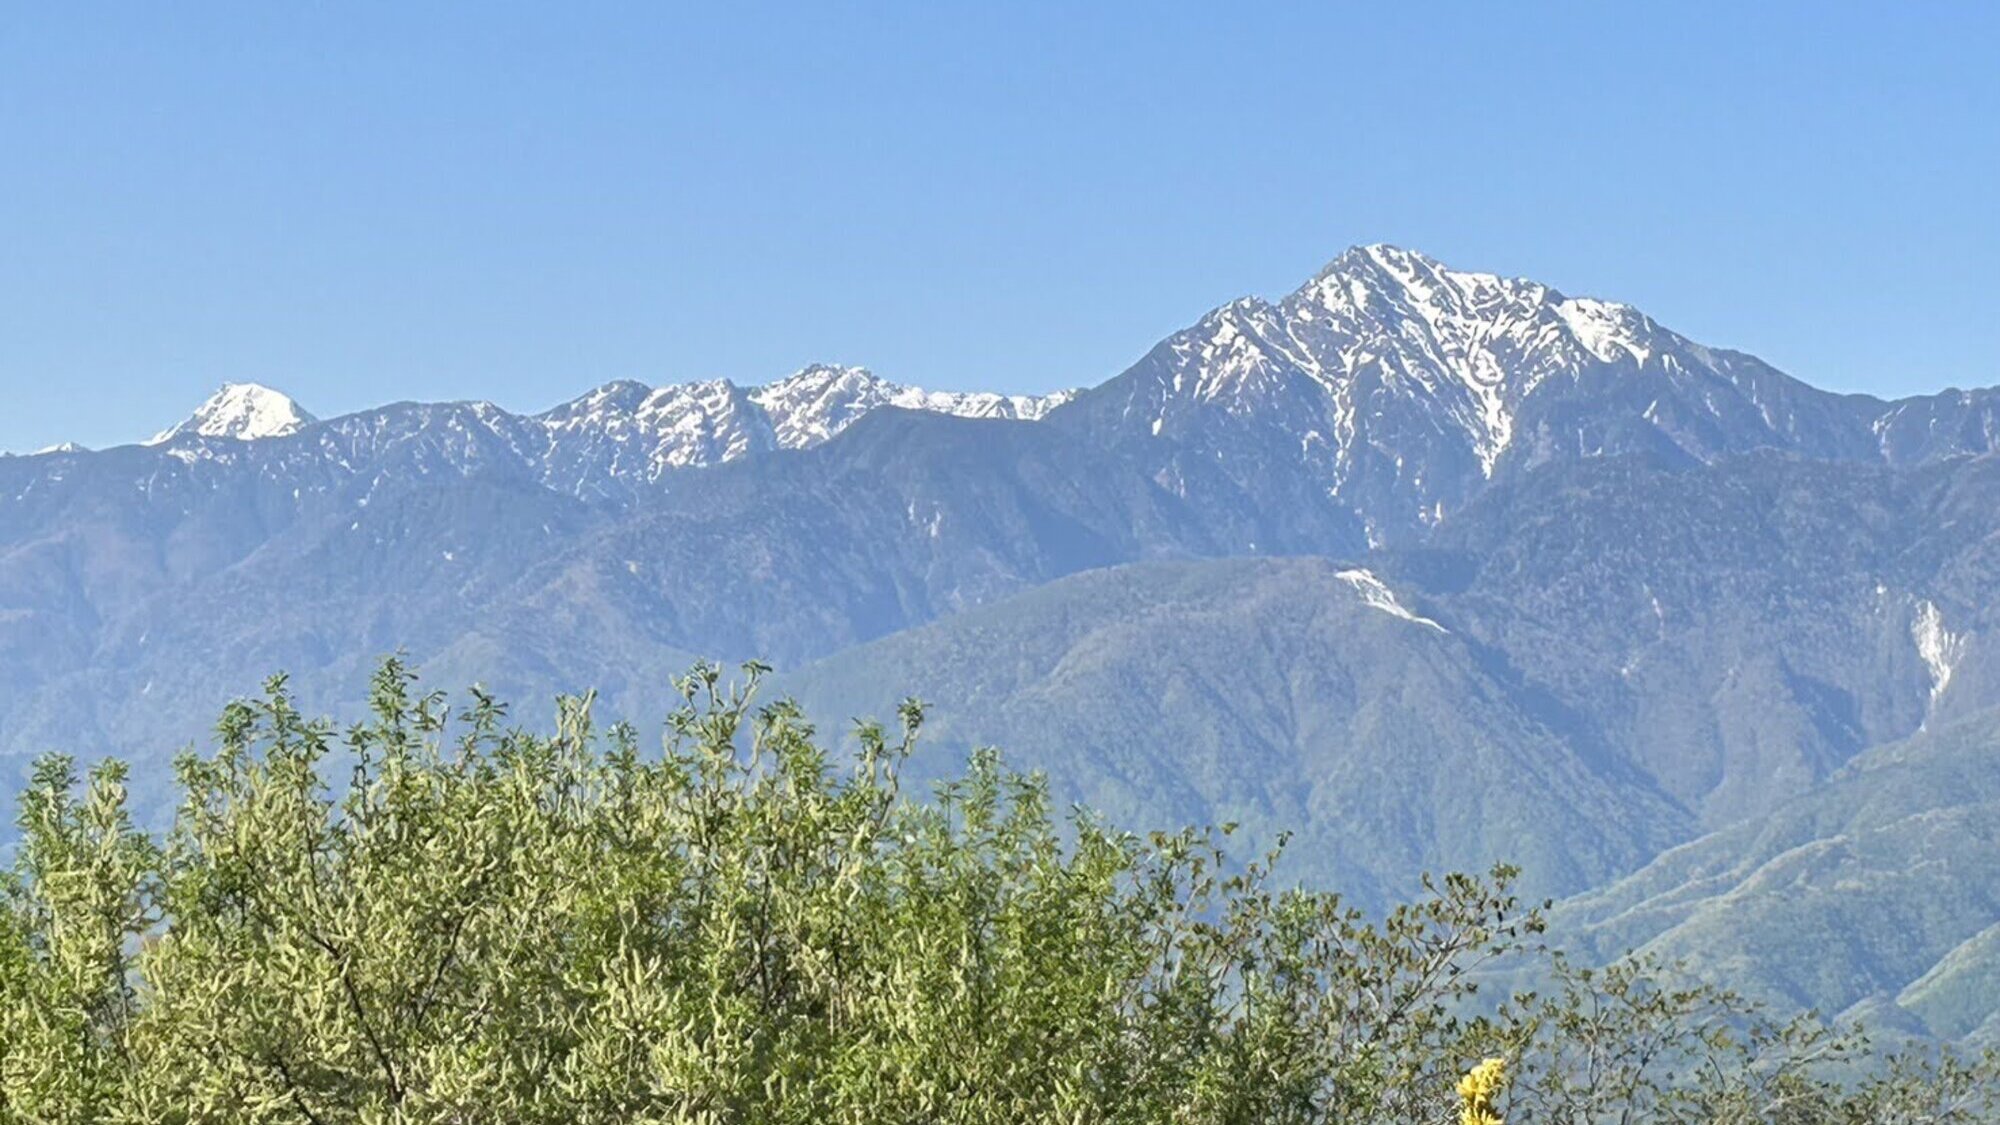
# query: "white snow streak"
1940, 648
1379, 596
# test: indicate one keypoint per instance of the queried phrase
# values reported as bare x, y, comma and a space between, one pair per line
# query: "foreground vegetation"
434, 917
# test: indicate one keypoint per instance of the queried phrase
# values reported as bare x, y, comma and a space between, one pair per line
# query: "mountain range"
1431, 567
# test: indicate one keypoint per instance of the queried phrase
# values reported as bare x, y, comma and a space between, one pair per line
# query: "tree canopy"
436, 916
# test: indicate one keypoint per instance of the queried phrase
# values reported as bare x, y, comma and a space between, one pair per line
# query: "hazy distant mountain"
142, 588
1284, 694
1718, 639
1739, 629
1572, 589
1876, 896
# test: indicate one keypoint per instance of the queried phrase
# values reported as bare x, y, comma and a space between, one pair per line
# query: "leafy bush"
479, 923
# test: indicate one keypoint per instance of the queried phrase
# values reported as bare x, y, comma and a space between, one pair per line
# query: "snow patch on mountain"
244, 411
1379, 596
1940, 648
1608, 330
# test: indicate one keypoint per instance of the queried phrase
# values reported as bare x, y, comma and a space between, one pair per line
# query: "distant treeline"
436, 917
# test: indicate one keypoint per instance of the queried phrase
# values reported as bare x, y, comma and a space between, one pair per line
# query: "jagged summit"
1401, 386
628, 424
821, 400
245, 411
1476, 342
1465, 309
1384, 255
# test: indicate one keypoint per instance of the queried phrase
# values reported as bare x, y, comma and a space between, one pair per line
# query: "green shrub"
435, 917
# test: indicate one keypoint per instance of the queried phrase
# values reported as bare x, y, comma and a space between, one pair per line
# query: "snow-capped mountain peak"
630, 431
1401, 384
1372, 403
1457, 314
1476, 343
819, 401
245, 411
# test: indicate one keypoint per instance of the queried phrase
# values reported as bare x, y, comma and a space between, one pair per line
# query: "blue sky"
362, 203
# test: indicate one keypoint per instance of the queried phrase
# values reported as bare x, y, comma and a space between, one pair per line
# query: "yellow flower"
1477, 1090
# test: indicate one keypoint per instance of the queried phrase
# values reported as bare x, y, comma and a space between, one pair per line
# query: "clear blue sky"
358, 203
